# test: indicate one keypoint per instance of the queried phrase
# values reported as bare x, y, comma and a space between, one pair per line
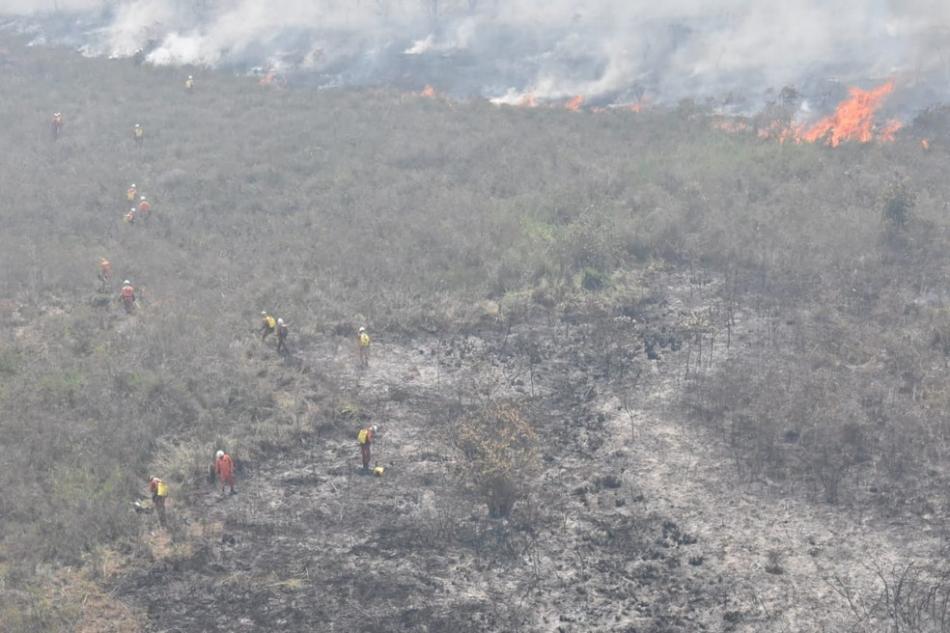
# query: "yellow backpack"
161, 489
271, 323
364, 340
363, 436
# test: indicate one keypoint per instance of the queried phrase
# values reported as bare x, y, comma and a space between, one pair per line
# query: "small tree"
898, 202
499, 449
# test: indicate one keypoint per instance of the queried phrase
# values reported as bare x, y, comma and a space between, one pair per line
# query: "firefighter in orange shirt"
145, 208
105, 272
224, 467
127, 295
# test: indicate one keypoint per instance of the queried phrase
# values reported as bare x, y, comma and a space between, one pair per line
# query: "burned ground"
636, 522
310, 542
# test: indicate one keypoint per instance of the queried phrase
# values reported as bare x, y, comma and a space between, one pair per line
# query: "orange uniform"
128, 297
224, 467
144, 208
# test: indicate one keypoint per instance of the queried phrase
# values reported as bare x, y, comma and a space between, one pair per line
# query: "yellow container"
378, 471
162, 489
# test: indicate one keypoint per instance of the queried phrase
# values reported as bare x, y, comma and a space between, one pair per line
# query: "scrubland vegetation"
822, 271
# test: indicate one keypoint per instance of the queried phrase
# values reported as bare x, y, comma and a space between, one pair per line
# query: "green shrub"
593, 279
898, 201
499, 448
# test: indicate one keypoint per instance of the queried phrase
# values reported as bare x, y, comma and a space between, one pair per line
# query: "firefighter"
268, 325
282, 332
224, 467
56, 124
131, 192
105, 272
366, 437
128, 296
145, 208
363, 345
138, 133
189, 83
130, 216
159, 490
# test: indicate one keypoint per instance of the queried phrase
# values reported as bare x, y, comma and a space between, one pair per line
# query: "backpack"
363, 436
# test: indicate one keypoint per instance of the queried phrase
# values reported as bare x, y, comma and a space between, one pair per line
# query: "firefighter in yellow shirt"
268, 325
159, 490
362, 339
365, 437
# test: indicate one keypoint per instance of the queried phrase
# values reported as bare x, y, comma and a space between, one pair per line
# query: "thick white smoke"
605, 50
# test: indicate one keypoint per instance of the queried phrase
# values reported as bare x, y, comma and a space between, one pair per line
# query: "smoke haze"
738, 52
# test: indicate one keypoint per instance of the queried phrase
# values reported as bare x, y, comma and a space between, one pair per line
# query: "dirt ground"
637, 523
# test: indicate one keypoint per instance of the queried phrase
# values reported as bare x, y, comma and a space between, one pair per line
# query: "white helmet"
127, 282
280, 321
189, 77
263, 312
362, 329
219, 454
143, 198
133, 185
374, 428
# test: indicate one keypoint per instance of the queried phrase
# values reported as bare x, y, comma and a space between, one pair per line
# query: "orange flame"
782, 132
428, 91
853, 120
528, 101
731, 125
271, 79
574, 105
889, 130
